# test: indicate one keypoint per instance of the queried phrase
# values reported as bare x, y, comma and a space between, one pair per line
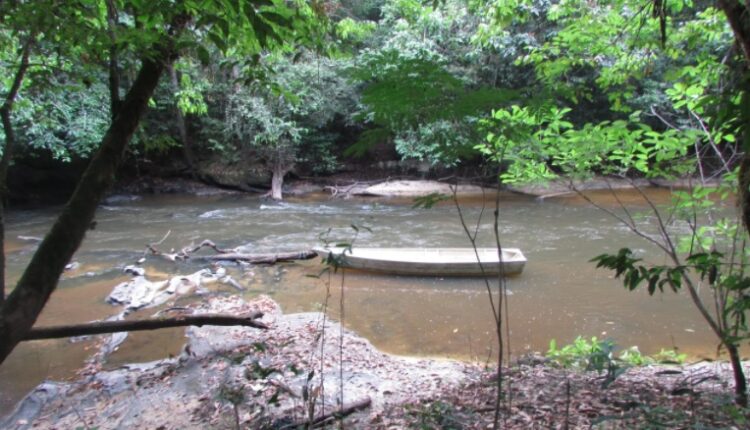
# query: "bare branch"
102, 327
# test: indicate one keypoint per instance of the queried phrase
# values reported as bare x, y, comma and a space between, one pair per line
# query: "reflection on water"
560, 295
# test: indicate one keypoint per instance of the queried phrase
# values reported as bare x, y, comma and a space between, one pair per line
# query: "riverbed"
559, 295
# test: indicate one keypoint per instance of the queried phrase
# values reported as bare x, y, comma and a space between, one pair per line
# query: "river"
558, 296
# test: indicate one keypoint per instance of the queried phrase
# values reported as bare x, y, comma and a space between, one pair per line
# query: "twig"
331, 416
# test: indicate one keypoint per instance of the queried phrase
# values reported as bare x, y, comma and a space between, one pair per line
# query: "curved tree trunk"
22, 307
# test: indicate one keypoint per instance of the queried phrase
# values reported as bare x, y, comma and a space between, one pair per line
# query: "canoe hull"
428, 261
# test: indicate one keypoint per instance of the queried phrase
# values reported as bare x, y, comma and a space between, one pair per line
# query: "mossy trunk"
22, 307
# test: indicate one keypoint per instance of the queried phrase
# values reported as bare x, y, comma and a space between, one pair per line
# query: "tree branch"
103, 327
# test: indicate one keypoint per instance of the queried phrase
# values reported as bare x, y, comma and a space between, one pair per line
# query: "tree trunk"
739, 19
740, 383
277, 181
114, 69
744, 190
187, 149
10, 140
22, 307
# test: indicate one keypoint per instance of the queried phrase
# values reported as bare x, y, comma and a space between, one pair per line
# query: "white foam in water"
218, 213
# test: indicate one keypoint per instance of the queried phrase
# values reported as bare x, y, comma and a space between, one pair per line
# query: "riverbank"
277, 378
344, 186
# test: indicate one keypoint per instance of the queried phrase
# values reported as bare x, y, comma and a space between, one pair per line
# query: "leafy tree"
157, 32
619, 45
421, 91
285, 120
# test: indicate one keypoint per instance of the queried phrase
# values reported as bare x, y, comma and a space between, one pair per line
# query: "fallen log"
104, 327
331, 416
261, 258
228, 254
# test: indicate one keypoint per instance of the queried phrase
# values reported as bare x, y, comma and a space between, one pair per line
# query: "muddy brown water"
559, 295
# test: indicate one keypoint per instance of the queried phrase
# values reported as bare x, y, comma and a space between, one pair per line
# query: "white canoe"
428, 261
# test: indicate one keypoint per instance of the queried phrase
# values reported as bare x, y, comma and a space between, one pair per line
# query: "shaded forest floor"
231, 377
544, 397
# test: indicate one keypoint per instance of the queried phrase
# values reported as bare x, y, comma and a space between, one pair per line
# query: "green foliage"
67, 121
64, 102
428, 112
723, 272
583, 354
159, 144
420, 87
669, 356
599, 355
355, 31
190, 95
633, 104
286, 118
634, 274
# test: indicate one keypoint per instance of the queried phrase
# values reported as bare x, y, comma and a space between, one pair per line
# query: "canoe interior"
429, 261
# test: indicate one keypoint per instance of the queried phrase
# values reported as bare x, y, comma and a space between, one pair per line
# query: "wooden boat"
427, 261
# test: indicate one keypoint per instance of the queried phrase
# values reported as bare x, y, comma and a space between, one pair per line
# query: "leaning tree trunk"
22, 307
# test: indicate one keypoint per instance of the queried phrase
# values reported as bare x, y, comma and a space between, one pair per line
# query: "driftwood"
332, 416
262, 258
229, 254
103, 327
